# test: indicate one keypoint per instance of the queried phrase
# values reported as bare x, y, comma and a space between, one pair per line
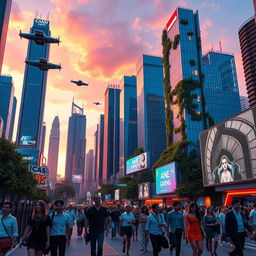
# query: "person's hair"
154, 206
207, 210
235, 201
176, 203
193, 204
10, 204
61, 202
43, 210
143, 208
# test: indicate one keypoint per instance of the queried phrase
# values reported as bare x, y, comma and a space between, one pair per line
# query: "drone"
79, 83
40, 38
97, 103
43, 64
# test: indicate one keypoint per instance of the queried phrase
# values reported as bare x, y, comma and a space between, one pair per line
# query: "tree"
64, 189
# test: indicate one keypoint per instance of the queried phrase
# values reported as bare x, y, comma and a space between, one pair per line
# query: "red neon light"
232, 193
171, 21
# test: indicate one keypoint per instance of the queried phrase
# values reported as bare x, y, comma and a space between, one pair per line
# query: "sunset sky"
102, 40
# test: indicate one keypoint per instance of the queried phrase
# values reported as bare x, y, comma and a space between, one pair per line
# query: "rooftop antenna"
212, 47
220, 46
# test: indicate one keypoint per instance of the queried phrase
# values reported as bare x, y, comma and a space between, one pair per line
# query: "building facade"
150, 106
128, 121
111, 135
95, 163
14, 106
53, 152
89, 171
221, 86
244, 103
33, 93
100, 147
1, 126
42, 143
6, 102
5, 10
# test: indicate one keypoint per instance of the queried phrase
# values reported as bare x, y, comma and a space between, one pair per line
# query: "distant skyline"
100, 44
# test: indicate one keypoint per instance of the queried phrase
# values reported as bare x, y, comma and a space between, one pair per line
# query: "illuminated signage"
88, 196
166, 179
77, 178
27, 140
108, 197
30, 155
137, 163
115, 86
39, 169
171, 21
144, 190
41, 179
41, 22
117, 194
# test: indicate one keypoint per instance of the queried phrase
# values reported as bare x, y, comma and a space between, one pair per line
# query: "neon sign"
41, 22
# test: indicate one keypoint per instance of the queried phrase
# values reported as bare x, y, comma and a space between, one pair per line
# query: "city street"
114, 247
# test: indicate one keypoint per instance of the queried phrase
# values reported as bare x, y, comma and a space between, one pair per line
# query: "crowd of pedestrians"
50, 229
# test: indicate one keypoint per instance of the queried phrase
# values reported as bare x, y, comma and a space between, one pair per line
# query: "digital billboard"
30, 155
166, 181
144, 190
137, 163
27, 141
77, 178
117, 194
108, 197
228, 150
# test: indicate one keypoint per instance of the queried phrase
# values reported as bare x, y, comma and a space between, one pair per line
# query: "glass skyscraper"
111, 135
14, 106
33, 93
221, 86
100, 146
6, 103
244, 102
5, 10
128, 121
151, 106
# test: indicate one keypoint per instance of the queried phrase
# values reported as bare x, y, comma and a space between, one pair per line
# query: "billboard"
228, 150
137, 163
117, 194
77, 178
27, 140
108, 197
144, 190
166, 181
30, 155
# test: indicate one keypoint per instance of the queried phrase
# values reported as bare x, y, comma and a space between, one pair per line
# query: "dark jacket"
231, 225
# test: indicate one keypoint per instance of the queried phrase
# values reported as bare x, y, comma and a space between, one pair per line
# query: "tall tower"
6, 102
128, 120
111, 135
5, 10
150, 106
53, 152
14, 106
42, 143
100, 147
76, 145
33, 93
244, 103
95, 163
89, 171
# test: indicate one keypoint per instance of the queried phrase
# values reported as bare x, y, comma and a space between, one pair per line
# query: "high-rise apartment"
14, 106
33, 93
111, 135
6, 103
244, 103
53, 152
89, 171
150, 106
99, 160
128, 121
95, 163
5, 10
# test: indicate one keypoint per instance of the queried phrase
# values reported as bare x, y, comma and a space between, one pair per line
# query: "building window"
195, 72
198, 99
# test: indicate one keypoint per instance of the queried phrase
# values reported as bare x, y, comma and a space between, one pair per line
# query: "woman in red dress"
194, 230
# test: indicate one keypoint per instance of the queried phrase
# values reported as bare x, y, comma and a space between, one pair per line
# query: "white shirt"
10, 223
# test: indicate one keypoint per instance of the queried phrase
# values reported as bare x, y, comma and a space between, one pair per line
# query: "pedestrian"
96, 219
143, 220
154, 227
253, 217
72, 217
60, 230
8, 229
115, 215
175, 222
222, 217
37, 231
193, 229
236, 225
80, 219
127, 220
136, 213
211, 230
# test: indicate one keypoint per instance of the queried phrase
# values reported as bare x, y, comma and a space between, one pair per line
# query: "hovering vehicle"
43, 64
79, 83
40, 38
97, 103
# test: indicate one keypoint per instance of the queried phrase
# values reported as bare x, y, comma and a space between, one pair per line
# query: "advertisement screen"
27, 141
77, 178
107, 197
144, 190
166, 179
137, 163
117, 194
30, 155
228, 150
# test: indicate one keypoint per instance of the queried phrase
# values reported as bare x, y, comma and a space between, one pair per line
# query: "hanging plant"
176, 42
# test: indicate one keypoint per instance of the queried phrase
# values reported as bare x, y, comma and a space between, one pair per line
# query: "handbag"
5, 243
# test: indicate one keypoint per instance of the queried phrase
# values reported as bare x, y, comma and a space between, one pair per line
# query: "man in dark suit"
236, 225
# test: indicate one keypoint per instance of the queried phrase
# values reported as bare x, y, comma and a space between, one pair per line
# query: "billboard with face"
137, 163
228, 150
144, 190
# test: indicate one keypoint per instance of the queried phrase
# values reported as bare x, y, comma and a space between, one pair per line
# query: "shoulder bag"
5, 243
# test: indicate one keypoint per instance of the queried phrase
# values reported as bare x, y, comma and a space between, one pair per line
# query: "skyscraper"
53, 152
244, 103
33, 93
111, 135
99, 170
1, 126
14, 105
247, 37
6, 102
76, 146
5, 10
221, 86
95, 163
42, 143
150, 106
89, 171
128, 121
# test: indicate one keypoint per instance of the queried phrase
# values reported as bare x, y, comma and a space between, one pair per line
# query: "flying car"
40, 38
79, 83
97, 103
43, 64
